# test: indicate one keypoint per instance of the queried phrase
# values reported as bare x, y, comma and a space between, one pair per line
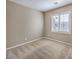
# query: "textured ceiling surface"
43, 5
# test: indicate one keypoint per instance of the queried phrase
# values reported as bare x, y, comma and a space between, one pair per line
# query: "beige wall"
22, 24
58, 36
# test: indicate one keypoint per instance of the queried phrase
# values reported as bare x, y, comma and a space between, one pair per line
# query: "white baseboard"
58, 41
23, 43
39, 39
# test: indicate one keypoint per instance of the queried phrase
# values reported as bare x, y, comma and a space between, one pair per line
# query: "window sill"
62, 33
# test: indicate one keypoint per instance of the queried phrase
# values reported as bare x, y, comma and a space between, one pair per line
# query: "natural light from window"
60, 22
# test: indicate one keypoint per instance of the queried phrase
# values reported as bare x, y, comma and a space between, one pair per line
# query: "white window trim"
70, 23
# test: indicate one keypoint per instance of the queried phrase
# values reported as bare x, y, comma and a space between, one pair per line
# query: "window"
60, 22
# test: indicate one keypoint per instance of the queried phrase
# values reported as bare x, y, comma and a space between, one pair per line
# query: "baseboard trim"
38, 39
24, 43
58, 41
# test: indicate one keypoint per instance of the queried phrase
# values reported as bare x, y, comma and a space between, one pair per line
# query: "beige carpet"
41, 49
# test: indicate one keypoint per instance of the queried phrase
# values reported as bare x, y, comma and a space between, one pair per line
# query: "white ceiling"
43, 5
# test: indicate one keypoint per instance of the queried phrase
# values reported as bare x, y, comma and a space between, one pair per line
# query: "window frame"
70, 22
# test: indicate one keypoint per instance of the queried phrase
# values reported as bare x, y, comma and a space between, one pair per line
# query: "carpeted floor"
41, 49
